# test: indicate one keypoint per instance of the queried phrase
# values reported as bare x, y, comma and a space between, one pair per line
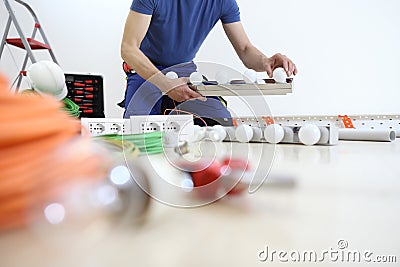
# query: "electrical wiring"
41, 154
186, 112
147, 143
71, 107
128, 148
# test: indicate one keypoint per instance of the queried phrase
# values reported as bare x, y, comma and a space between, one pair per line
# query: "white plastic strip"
364, 122
367, 135
245, 89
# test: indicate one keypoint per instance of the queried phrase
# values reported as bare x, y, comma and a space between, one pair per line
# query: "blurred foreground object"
41, 154
147, 143
214, 180
69, 106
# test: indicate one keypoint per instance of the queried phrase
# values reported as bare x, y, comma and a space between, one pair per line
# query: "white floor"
314, 198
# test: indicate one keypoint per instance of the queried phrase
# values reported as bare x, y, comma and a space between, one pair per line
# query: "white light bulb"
324, 135
222, 77
230, 133
257, 134
309, 134
279, 75
217, 133
187, 185
55, 213
244, 133
120, 175
274, 133
171, 75
250, 76
288, 136
196, 78
199, 133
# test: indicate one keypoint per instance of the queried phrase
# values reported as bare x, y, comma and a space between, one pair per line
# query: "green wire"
148, 143
128, 148
71, 108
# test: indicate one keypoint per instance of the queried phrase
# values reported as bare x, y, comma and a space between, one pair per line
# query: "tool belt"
127, 69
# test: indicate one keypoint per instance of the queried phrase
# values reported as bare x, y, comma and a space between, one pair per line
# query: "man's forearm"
253, 58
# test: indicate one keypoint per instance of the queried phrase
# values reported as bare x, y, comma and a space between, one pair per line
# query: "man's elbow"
125, 50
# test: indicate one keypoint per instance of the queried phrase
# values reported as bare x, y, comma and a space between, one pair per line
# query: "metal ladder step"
34, 45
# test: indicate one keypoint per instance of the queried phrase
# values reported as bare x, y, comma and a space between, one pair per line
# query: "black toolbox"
87, 91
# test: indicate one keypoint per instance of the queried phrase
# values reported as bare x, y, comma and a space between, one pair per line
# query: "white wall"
347, 51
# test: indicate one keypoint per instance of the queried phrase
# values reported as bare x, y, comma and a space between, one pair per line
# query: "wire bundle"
127, 148
71, 108
41, 154
148, 143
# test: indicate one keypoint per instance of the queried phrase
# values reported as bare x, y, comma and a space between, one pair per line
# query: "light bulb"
309, 134
230, 133
274, 133
288, 136
257, 134
244, 133
250, 76
324, 135
196, 78
217, 133
222, 77
279, 75
171, 75
199, 133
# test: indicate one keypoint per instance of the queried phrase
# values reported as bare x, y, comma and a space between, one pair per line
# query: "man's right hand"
179, 90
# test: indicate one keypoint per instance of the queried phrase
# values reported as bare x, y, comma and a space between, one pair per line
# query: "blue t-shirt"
179, 27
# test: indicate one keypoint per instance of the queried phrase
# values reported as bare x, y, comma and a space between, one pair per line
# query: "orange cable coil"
41, 154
